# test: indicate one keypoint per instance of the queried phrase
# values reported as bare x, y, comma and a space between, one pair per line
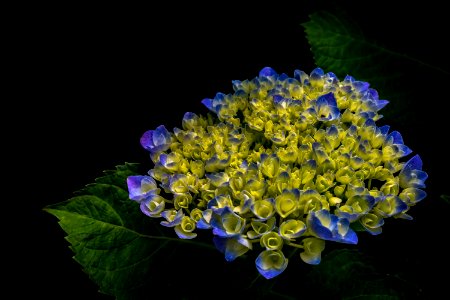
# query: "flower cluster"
280, 162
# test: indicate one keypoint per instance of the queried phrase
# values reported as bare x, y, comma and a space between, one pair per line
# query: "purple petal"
135, 187
147, 140
157, 140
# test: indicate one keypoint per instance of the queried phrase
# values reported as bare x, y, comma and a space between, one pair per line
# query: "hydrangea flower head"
280, 162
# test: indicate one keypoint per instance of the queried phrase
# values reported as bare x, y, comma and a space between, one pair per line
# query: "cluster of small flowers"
280, 162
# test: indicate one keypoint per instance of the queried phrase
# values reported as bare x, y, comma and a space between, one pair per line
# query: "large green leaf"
340, 46
121, 250
349, 274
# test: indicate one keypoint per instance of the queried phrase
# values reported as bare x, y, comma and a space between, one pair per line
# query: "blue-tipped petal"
372, 94
396, 137
327, 99
326, 226
390, 206
412, 195
271, 263
332, 75
301, 76
226, 223
262, 209
204, 222
267, 72
381, 103
189, 120
218, 178
369, 123
173, 217
278, 99
372, 223
412, 175
327, 109
220, 96
291, 229
282, 77
319, 222
361, 86
415, 163
384, 129
349, 79
316, 74
163, 159
344, 234
141, 187
208, 103
153, 206
183, 234
231, 247
219, 203
355, 207
157, 140
332, 131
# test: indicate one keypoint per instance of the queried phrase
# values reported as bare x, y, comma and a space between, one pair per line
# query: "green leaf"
121, 250
348, 274
446, 198
339, 46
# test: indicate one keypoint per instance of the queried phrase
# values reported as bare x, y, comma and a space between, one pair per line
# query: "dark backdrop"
101, 75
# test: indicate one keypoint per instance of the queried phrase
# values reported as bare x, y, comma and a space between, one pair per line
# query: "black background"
98, 76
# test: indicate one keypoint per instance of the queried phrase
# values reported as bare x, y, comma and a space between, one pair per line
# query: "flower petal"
412, 175
271, 263
267, 72
312, 253
231, 247
140, 187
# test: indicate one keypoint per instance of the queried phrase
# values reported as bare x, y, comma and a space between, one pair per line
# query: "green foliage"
120, 249
446, 198
348, 274
339, 46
